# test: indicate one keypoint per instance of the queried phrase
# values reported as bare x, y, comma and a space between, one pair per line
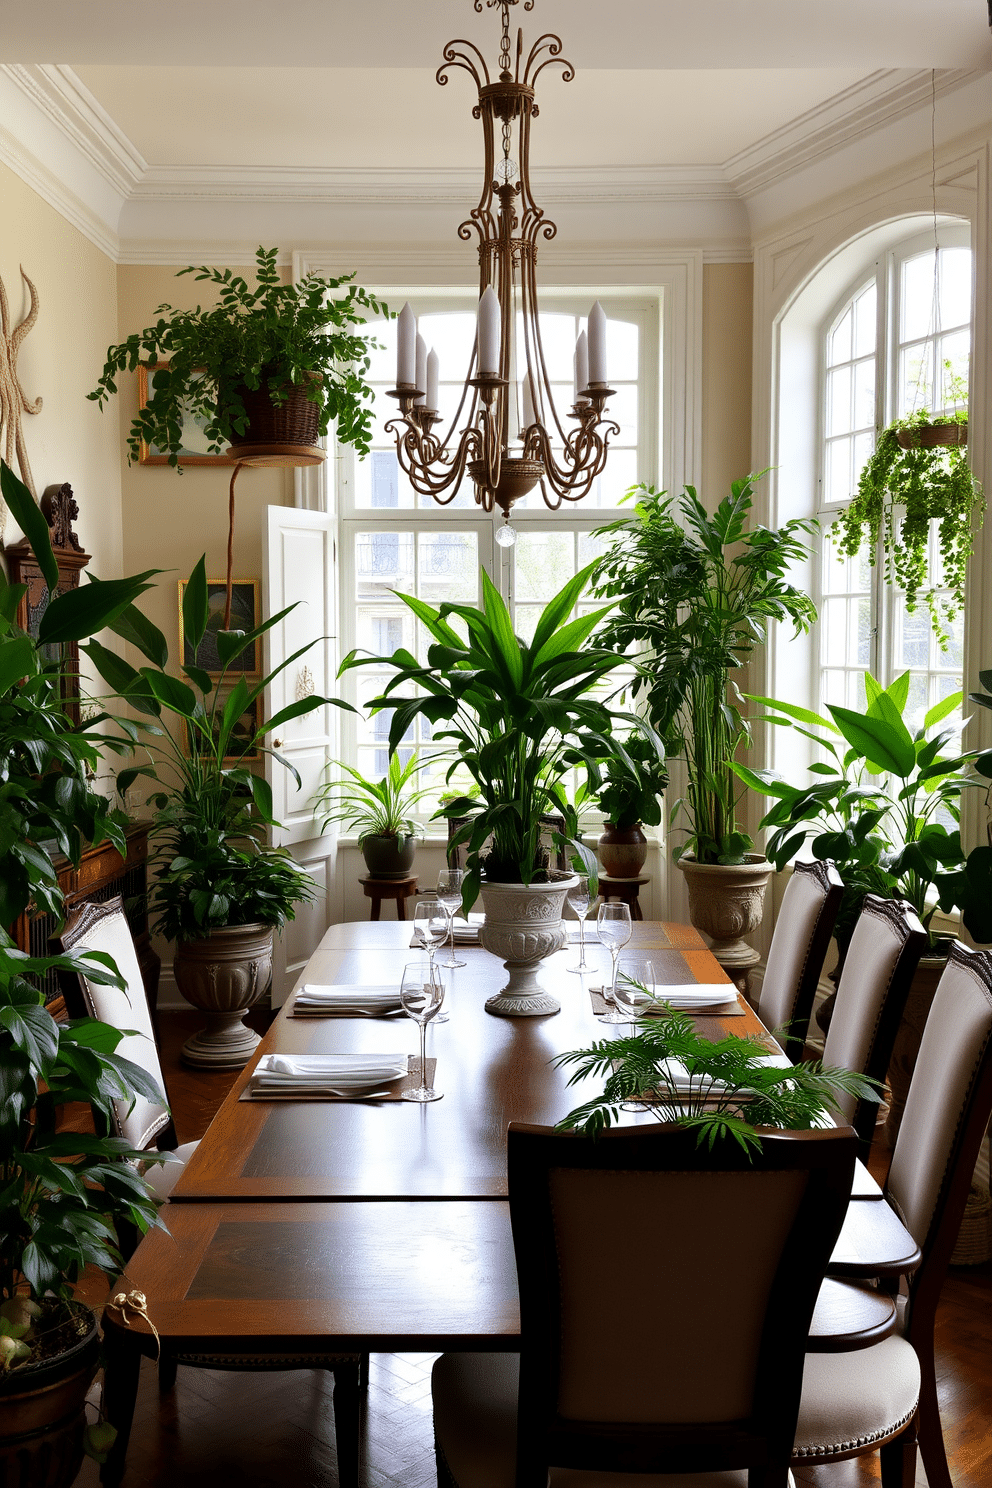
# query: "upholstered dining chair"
144, 1124
885, 948
886, 1396
666, 1292
104, 927
802, 934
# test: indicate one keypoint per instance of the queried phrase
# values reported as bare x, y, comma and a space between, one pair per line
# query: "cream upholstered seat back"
795, 958
887, 943
953, 1055
104, 927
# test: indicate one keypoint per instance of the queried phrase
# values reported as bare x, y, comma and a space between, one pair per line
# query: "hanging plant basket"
931, 436
294, 422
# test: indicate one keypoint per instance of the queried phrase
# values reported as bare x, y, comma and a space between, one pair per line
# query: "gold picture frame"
194, 448
245, 612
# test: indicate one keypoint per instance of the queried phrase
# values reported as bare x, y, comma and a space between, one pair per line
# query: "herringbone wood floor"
259, 1430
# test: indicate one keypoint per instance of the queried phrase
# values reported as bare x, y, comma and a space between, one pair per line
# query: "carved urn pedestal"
726, 902
523, 925
224, 975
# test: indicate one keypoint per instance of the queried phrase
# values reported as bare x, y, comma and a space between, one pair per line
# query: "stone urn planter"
623, 851
42, 1409
389, 857
224, 975
523, 925
726, 902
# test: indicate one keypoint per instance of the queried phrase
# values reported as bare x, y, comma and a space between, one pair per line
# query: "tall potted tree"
520, 718
692, 595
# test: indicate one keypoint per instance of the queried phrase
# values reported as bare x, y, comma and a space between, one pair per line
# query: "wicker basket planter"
293, 423
930, 436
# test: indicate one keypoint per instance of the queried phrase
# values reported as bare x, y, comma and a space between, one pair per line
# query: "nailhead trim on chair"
263, 1361
856, 1444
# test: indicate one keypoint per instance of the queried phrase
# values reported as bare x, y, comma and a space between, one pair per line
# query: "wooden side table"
399, 889
625, 890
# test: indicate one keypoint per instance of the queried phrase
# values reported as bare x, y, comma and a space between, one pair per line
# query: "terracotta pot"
623, 851
726, 902
42, 1415
389, 857
906, 1048
523, 925
224, 975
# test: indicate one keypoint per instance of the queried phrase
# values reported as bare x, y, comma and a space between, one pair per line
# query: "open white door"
299, 568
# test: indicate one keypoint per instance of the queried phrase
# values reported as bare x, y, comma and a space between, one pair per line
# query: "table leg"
376, 906
635, 909
401, 908
122, 1361
347, 1421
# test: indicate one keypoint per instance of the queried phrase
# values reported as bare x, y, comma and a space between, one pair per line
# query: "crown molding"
877, 100
52, 189
58, 94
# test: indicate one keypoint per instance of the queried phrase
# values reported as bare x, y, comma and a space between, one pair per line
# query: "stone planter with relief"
224, 975
523, 926
726, 902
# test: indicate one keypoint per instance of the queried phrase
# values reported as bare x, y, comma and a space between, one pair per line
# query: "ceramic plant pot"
726, 902
389, 857
42, 1410
224, 975
523, 925
623, 851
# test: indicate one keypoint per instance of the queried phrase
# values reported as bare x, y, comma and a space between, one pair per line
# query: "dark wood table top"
492, 1071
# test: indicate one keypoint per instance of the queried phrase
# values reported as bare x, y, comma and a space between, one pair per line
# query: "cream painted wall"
726, 445
60, 360
170, 519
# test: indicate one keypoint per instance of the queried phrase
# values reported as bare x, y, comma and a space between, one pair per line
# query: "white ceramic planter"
523, 925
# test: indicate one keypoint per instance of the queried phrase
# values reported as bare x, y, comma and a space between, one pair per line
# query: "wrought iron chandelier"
505, 442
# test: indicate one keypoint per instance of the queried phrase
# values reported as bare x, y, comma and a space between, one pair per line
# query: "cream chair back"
799, 945
885, 948
104, 927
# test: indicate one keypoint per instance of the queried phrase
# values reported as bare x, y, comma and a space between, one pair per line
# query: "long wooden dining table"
311, 1226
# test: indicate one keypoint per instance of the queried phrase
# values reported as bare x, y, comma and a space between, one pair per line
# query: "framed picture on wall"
241, 735
244, 616
194, 449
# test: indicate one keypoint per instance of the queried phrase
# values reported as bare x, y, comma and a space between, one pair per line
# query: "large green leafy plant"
60, 1193
212, 811
519, 716
693, 593
373, 808
273, 336
884, 804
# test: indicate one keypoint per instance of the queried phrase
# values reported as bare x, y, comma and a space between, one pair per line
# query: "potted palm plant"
221, 891
379, 811
276, 363
693, 593
60, 1192
520, 718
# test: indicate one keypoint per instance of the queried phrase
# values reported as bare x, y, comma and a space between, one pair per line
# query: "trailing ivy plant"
272, 336
900, 492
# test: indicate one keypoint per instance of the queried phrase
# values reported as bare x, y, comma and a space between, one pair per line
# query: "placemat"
730, 1009
409, 1082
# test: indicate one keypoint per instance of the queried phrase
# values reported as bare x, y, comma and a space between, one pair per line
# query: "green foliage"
211, 815
631, 792
728, 1094
519, 717
693, 594
373, 808
880, 804
272, 336
900, 492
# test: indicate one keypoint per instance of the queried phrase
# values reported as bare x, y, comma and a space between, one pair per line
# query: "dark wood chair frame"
762, 1442
830, 883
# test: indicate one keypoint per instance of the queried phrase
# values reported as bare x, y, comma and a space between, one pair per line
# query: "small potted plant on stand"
379, 811
630, 799
520, 719
221, 891
693, 593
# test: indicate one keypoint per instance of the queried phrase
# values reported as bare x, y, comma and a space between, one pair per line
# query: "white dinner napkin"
341, 998
683, 1082
692, 995
322, 1071
467, 931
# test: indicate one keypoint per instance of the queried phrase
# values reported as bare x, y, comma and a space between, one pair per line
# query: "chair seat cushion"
475, 1426
851, 1401
163, 1177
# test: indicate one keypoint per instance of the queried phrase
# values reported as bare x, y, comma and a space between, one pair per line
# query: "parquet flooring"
260, 1430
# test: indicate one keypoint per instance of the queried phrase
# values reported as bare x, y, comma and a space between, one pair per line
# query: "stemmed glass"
430, 926
578, 899
421, 993
449, 892
613, 927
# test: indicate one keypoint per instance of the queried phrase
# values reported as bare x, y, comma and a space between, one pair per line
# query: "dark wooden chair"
666, 1294
803, 929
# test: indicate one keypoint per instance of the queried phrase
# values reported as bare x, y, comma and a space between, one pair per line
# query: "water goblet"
421, 993
578, 900
449, 892
430, 927
613, 928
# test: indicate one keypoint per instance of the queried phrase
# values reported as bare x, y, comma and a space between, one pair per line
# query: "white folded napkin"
468, 930
695, 994
377, 999
307, 1071
700, 1084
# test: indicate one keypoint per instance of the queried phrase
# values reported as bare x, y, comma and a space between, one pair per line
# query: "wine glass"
578, 899
421, 993
449, 892
430, 925
630, 999
613, 928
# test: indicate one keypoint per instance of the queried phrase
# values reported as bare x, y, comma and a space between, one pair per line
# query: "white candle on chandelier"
406, 347
597, 344
421, 378
490, 329
530, 416
581, 364
433, 367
